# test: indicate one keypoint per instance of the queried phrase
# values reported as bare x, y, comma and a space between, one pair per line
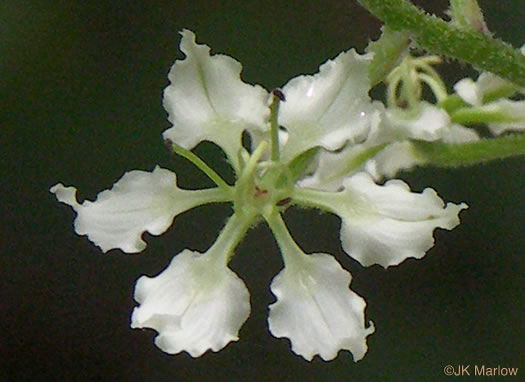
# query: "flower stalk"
439, 37
470, 153
277, 97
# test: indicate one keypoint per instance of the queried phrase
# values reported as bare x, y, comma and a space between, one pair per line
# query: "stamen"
260, 192
279, 94
169, 145
201, 165
283, 202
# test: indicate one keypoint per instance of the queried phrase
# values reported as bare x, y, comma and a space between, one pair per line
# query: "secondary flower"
197, 303
488, 100
388, 147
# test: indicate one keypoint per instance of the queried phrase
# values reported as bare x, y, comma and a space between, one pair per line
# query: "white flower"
197, 303
384, 224
388, 148
403, 155
488, 98
316, 310
504, 115
487, 86
140, 201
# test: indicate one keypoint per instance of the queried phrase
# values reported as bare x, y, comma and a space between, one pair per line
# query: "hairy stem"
439, 37
472, 153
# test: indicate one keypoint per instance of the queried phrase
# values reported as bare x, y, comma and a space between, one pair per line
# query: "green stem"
452, 103
274, 125
323, 200
290, 251
201, 165
472, 153
208, 195
230, 236
478, 115
440, 37
251, 165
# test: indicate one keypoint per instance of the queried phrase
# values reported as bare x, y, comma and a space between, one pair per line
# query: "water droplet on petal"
310, 91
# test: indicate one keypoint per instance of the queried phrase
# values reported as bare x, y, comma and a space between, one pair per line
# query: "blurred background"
81, 103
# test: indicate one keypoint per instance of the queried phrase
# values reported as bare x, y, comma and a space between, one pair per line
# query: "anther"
259, 192
169, 145
283, 202
279, 94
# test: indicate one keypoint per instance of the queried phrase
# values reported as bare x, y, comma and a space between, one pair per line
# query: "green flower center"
262, 186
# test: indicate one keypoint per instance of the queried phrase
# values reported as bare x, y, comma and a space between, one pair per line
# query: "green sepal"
388, 52
467, 14
298, 165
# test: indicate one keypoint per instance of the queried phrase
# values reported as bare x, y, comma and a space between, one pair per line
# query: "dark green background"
80, 98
